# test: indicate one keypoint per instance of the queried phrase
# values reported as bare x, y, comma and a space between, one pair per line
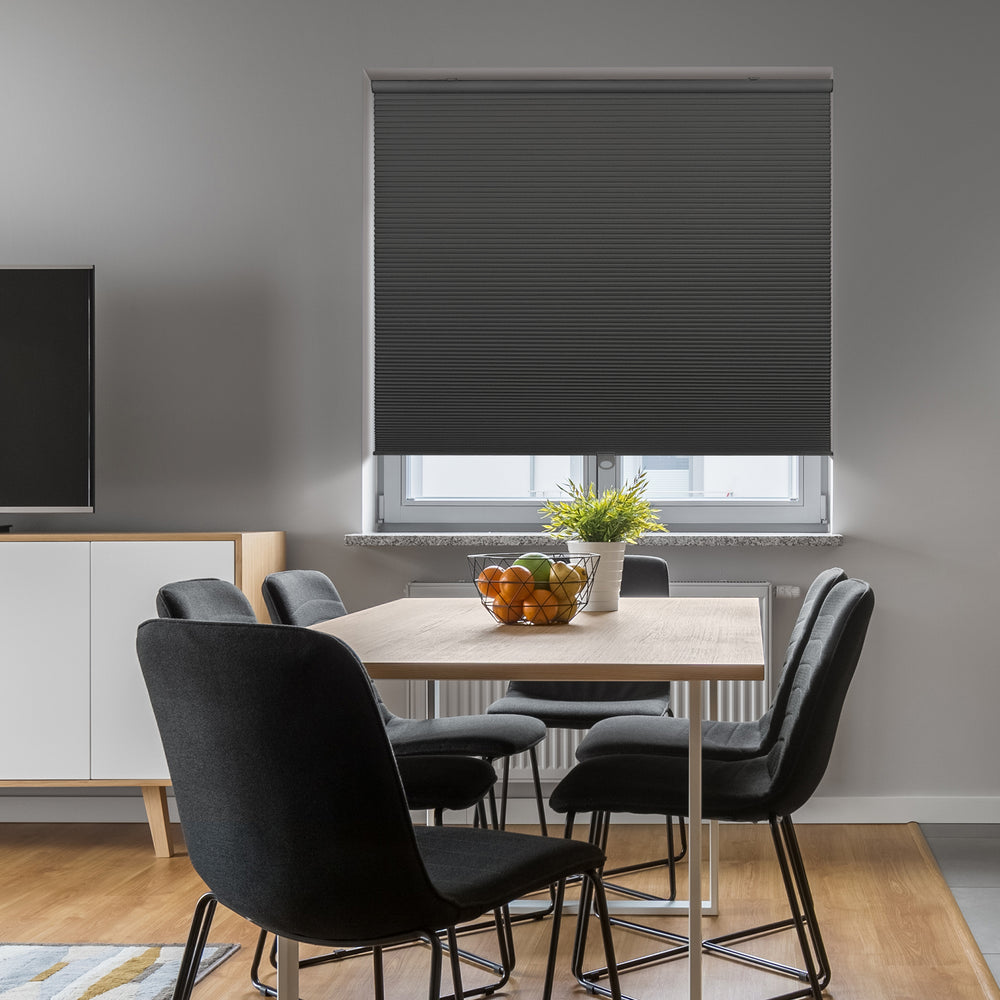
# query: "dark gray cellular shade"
635, 267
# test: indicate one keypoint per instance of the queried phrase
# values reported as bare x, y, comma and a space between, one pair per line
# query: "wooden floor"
891, 926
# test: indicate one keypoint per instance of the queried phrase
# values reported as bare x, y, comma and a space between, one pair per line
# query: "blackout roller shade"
569, 267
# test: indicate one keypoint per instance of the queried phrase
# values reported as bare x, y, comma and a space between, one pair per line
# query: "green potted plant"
604, 525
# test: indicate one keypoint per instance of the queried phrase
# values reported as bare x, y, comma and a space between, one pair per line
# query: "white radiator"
734, 700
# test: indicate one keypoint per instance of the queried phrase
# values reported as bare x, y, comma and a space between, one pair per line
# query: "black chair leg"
504, 788
596, 880
434, 987
592, 890
494, 816
508, 955
537, 788
586, 890
539, 798
669, 862
378, 976
456, 963
550, 965
809, 908
255, 980
505, 942
803, 920
599, 825
816, 974
201, 922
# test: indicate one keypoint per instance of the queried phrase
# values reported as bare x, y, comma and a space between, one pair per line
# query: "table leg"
694, 839
712, 909
432, 710
713, 826
288, 969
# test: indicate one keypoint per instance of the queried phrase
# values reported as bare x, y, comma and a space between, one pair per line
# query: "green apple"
539, 565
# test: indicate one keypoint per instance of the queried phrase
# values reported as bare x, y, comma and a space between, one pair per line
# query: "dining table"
689, 640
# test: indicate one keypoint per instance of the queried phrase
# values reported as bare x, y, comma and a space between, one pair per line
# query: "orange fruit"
508, 613
487, 581
542, 607
514, 584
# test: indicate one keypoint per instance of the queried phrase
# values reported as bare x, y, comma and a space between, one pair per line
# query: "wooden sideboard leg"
155, 799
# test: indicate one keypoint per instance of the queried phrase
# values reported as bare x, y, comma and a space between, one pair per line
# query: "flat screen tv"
46, 389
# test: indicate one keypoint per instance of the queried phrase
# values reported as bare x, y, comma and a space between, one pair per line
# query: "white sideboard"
76, 711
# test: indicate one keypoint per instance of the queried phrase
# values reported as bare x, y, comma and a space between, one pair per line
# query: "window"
692, 493
602, 267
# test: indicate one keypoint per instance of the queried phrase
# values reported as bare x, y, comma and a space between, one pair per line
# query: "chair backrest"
304, 597
770, 722
206, 599
289, 798
645, 576
301, 597
642, 576
799, 757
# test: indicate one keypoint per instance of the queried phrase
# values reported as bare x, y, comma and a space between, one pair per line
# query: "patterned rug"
88, 971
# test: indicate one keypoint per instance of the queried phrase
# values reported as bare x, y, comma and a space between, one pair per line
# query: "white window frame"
808, 512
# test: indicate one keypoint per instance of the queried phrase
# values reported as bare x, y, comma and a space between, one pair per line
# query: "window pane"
488, 477
717, 478
694, 492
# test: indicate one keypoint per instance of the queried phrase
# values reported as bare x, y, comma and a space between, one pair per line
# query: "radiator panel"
730, 700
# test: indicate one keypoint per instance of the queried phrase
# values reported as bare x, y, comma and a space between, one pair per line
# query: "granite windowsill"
504, 539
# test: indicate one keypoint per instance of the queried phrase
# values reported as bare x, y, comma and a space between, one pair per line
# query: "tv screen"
46, 389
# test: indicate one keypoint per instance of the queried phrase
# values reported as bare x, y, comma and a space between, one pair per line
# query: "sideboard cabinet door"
45, 661
125, 577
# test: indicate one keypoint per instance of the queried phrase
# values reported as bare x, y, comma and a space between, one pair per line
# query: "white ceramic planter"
608, 578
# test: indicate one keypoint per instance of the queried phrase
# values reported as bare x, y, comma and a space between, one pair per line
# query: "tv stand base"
154, 797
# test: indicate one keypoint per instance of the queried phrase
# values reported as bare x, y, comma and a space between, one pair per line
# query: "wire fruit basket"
533, 588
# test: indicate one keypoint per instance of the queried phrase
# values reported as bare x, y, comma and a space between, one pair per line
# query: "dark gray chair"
305, 597
433, 782
720, 739
301, 597
768, 788
283, 772
205, 599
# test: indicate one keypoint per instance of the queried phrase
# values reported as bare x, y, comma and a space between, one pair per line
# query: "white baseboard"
128, 808
901, 809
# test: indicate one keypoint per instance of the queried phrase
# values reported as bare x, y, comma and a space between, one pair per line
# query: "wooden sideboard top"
134, 536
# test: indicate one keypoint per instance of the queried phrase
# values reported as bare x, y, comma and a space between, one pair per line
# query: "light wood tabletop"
657, 638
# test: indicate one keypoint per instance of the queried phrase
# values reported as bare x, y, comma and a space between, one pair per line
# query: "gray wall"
208, 157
